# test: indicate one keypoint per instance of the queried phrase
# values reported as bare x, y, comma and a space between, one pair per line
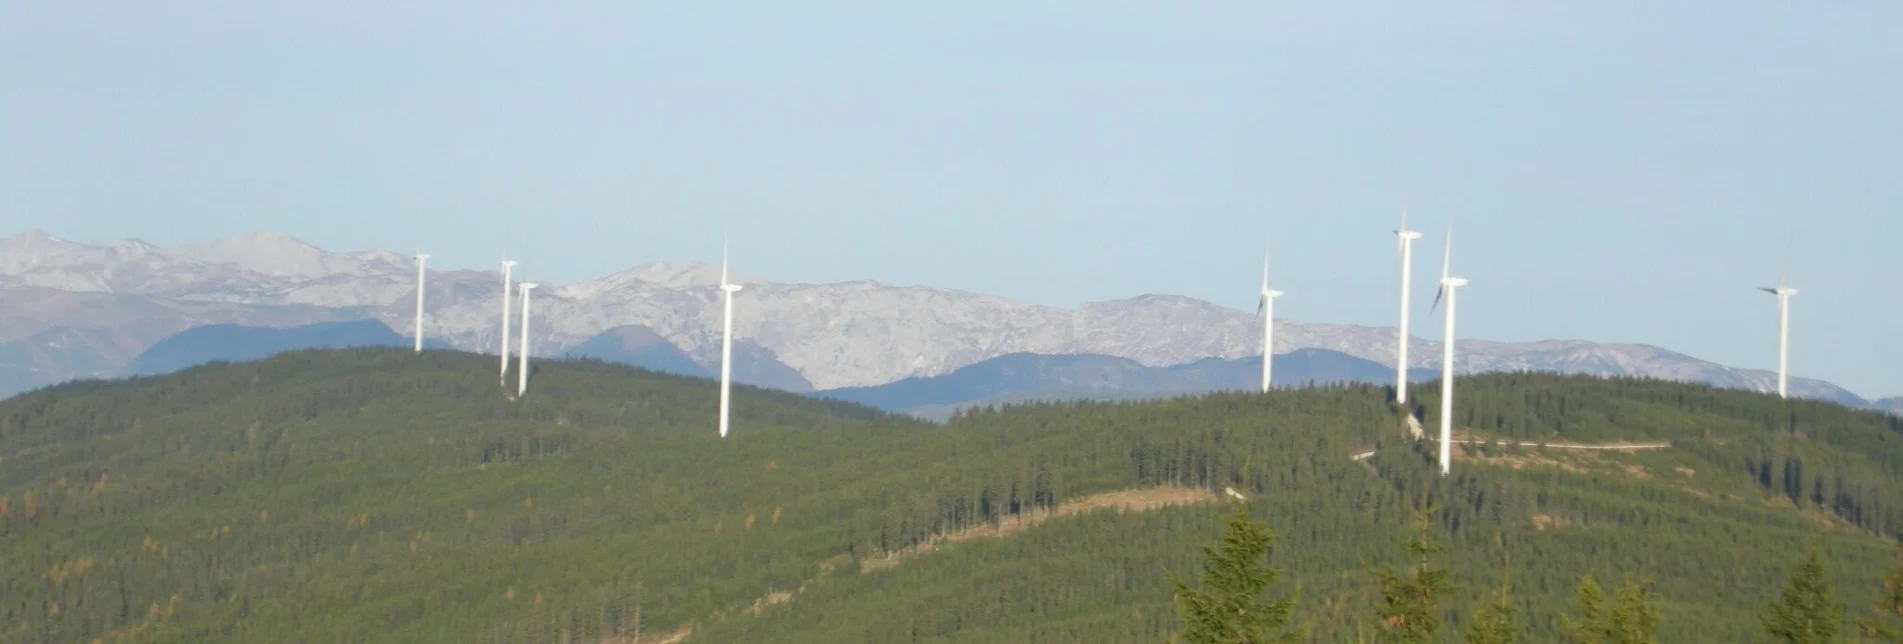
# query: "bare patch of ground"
1542, 521
770, 599
1125, 501
1523, 461
1826, 518
670, 637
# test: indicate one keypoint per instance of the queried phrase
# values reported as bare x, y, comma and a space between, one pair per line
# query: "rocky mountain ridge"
845, 334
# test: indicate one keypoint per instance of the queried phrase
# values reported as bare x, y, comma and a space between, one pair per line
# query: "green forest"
378, 495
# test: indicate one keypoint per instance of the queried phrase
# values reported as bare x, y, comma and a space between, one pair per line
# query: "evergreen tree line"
376, 495
1235, 604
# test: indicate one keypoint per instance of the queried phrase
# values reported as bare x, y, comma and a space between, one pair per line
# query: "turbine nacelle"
1781, 291
1262, 303
730, 288
1402, 234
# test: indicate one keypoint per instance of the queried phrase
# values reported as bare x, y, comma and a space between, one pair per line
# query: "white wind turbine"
726, 340
1448, 288
503, 375
1265, 307
420, 258
1783, 294
522, 368
1406, 238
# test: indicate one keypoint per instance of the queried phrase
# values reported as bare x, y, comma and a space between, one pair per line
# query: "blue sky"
1619, 171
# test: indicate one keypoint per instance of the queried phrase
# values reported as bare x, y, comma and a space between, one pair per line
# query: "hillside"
376, 495
1026, 377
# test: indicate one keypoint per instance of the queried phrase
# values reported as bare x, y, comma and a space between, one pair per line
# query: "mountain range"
1022, 377
77, 310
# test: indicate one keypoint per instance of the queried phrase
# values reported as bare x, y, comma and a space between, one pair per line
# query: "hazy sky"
1619, 171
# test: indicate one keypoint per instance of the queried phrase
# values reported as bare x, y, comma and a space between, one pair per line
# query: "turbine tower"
503, 375
420, 259
726, 340
1448, 287
1265, 307
522, 368
1783, 294
1406, 238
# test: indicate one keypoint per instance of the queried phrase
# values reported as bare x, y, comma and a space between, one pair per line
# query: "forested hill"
375, 495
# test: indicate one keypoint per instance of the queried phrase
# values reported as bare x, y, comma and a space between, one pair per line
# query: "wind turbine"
503, 375
1265, 307
1783, 294
1406, 238
420, 259
522, 368
726, 340
1449, 287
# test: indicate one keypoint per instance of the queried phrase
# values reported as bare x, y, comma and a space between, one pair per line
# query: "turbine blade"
1261, 304
1437, 295
1400, 241
1447, 253
723, 261
1265, 267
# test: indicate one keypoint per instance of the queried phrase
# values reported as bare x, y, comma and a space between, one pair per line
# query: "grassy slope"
379, 496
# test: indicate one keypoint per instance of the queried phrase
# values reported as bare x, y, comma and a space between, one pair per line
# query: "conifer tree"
1808, 612
1237, 574
1493, 619
1586, 629
1410, 609
1887, 624
1634, 620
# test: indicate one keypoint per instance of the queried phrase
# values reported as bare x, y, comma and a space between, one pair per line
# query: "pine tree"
1493, 620
1809, 612
1887, 624
1634, 620
1586, 629
1237, 573
1410, 610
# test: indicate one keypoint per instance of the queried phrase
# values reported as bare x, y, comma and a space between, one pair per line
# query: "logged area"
382, 496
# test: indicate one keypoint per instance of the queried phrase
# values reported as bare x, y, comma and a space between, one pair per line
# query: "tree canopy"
379, 495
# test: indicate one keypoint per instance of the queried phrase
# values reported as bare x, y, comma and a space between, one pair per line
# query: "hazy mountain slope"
639, 346
375, 495
51, 336
237, 343
759, 366
1598, 359
57, 354
835, 335
1024, 376
1892, 405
